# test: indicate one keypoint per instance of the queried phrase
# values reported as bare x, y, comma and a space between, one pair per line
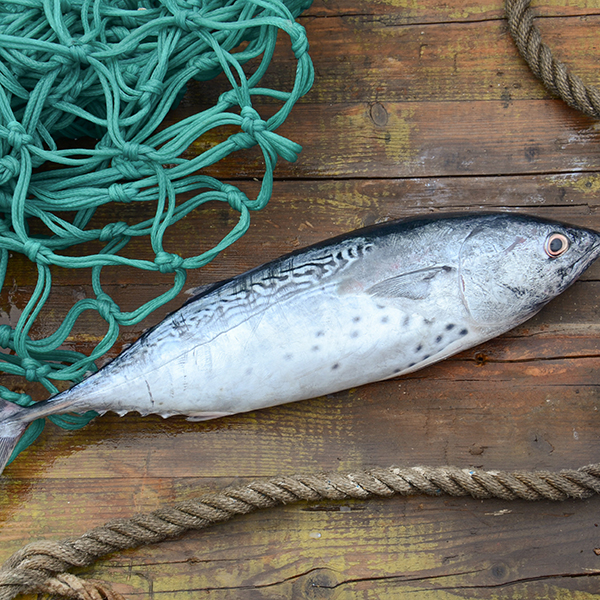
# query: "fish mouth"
590, 255
595, 249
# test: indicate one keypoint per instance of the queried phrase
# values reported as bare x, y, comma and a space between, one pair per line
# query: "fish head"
510, 266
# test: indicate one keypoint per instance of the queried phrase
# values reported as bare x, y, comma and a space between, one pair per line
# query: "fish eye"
556, 244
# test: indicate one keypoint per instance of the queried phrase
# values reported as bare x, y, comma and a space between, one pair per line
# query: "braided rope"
554, 74
42, 566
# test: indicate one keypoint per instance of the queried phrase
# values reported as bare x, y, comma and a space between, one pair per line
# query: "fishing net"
111, 70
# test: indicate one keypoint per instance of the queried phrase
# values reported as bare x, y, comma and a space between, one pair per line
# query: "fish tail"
12, 427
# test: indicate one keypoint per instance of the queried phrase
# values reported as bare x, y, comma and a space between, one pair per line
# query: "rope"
42, 566
554, 74
111, 71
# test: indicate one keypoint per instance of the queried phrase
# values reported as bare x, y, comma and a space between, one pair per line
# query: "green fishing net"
110, 70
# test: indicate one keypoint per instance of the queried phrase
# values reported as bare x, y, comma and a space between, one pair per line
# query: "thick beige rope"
42, 566
555, 75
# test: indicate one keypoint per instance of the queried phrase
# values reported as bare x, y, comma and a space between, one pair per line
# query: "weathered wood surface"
417, 107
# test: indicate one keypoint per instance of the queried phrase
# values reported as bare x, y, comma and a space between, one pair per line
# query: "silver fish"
366, 306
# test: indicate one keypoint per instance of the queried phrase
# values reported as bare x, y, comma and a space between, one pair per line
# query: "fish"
370, 305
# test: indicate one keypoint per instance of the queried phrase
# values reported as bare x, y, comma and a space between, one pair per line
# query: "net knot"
16, 135
299, 40
252, 124
16, 397
133, 151
36, 252
9, 168
107, 307
149, 89
5, 336
167, 262
182, 20
205, 63
235, 198
112, 230
242, 141
128, 169
34, 369
117, 192
79, 52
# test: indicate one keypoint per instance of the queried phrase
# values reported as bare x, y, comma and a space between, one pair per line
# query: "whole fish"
366, 306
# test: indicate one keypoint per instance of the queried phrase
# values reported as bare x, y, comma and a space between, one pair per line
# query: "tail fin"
11, 429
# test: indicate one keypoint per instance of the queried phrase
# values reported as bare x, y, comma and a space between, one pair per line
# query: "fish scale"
367, 306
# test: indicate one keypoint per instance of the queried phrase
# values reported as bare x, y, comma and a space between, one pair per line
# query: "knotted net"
110, 70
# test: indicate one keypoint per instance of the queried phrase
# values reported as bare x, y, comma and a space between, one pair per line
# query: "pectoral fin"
415, 285
206, 416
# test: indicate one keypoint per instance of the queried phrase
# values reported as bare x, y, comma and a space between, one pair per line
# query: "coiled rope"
42, 566
555, 75
111, 70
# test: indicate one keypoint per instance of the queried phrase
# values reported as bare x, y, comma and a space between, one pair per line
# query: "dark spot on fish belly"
336, 366
150, 394
406, 321
316, 348
426, 356
411, 365
438, 339
288, 356
450, 326
463, 332
355, 319
397, 371
320, 333
354, 334
419, 348
385, 319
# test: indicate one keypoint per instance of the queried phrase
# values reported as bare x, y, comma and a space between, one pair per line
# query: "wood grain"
417, 108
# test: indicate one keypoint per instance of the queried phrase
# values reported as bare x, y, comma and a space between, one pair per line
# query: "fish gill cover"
110, 71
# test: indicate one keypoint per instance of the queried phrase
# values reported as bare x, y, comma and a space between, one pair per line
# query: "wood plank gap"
380, 19
466, 176
518, 581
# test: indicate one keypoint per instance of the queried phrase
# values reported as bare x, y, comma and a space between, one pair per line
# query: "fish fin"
207, 416
203, 290
414, 285
11, 430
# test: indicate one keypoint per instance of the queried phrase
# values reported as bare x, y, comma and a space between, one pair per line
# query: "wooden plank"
391, 61
405, 545
432, 558
430, 11
367, 58
431, 139
307, 211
